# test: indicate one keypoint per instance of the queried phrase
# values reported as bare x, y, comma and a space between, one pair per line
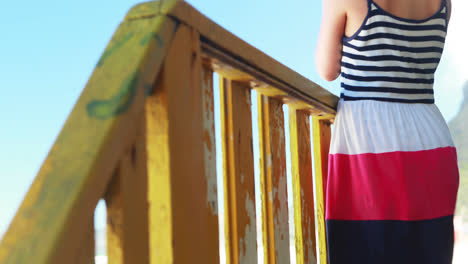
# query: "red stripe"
402, 185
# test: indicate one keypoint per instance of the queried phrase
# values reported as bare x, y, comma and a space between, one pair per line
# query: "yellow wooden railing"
141, 136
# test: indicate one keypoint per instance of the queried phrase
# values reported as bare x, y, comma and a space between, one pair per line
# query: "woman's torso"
410, 9
393, 57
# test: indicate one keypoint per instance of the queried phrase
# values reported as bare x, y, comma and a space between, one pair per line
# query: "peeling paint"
247, 97
268, 161
248, 243
209, 143
281, 221
310, 249
270, 197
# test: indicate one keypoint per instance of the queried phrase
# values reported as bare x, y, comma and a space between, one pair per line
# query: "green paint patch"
118, 104
156, 36
118, 44
148, 89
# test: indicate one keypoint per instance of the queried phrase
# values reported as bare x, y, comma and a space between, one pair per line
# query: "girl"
393, 175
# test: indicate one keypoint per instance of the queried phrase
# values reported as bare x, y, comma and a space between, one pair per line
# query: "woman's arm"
329, 46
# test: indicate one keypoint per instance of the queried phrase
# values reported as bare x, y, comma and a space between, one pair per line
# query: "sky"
48, 51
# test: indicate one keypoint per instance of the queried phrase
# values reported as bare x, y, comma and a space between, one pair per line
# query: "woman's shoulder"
411, 9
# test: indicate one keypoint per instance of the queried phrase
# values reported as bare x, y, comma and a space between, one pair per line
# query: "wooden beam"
239, 185
273, 180
127, 206
224, 46
183, 217
80, 164
321, 139
303, 194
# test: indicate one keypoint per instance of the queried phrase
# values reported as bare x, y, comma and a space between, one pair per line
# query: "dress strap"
444, 4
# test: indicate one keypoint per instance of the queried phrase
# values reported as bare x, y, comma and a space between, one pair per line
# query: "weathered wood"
209, 152
183, 219
104, 123
303, 194
239, 186
159, 175
115, 220
273, 180
127, 206
246, 58
86, 251
101, 126
321, 139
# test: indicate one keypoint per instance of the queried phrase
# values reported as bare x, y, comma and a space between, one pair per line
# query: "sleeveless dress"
393, 176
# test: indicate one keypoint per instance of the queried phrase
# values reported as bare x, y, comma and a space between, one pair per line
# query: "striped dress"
393, 176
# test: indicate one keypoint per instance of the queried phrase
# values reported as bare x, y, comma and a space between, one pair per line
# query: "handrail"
141, 136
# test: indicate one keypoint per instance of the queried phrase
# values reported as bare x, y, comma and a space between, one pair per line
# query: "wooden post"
210, 146
303, 194
239, 186
127, 206
86, 252
322, 136
183, 214
273, 180
51, 222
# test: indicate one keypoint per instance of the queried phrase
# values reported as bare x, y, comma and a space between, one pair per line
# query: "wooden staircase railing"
141, 136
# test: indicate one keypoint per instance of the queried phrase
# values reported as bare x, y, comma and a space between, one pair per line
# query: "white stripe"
383, 52
376, 127
387, 73
404, 43
389, 63
387, 84
396, 31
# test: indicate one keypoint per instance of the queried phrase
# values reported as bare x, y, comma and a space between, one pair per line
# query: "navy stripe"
394, 47
391, 58
404, 27
400, 37
385, 99
390, 241
386, 79
381, 89
387, 68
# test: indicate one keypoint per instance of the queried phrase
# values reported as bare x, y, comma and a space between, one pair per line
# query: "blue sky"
49, 48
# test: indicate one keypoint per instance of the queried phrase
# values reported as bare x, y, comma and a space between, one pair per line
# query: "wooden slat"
303, 194
127, 210
239, 186
115, 221
273, 180
209, 141
86, 251
183, 220
101, 126
321, 139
